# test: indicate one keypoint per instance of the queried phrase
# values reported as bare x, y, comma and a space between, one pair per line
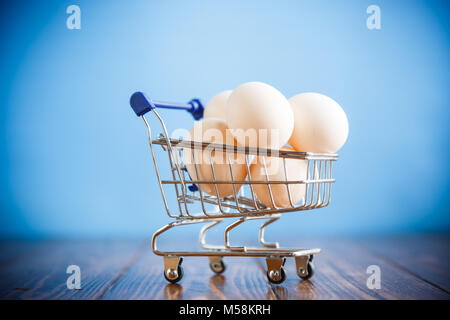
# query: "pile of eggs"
256, 114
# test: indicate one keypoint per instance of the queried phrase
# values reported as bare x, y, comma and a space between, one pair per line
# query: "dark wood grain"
425, 256
341, 274
413, 267
43, 275
12, 252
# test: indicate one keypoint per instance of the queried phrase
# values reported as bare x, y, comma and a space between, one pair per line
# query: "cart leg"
216, 264
304, 267
173, 272
261, 234
275, 271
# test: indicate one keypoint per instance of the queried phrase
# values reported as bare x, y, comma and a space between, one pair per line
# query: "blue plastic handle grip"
141, 104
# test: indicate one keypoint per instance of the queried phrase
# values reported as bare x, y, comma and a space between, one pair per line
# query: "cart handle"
141, 104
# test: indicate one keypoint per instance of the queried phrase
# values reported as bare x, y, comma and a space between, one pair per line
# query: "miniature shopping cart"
195, 206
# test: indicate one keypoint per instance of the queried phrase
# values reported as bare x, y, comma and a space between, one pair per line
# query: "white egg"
259, 115
321, 124
205, 164
296, 169
217, 106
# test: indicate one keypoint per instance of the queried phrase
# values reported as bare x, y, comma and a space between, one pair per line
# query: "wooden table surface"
412, 267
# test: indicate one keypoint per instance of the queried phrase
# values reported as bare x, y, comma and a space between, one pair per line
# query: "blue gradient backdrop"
74, 159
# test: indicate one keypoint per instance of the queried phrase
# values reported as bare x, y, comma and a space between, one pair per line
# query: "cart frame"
236, 207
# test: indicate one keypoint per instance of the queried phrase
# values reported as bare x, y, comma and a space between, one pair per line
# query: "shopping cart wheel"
275, 270
173, 277
310, 268
173, 272
276, 278
216, 264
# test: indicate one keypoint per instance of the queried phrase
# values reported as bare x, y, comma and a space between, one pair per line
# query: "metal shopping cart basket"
213, 209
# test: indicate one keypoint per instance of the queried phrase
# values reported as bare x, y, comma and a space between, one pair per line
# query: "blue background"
74, 159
